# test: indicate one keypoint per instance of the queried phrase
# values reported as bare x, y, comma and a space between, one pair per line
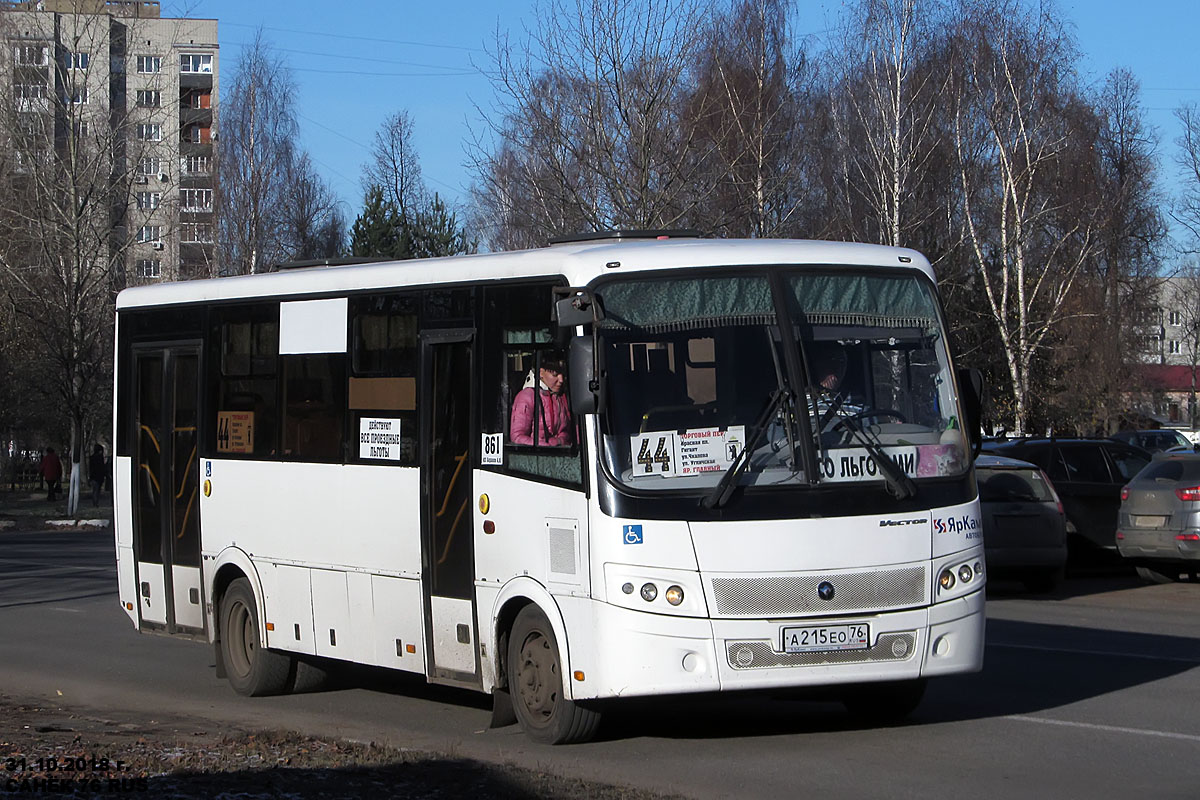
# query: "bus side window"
382, 391
244, 348
517, 343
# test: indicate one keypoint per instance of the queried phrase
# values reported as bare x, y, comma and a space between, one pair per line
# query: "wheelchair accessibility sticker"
633, 534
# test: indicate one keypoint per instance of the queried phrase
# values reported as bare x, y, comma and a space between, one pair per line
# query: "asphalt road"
1089, 693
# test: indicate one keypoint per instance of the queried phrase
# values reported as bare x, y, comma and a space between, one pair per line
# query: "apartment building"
115, 76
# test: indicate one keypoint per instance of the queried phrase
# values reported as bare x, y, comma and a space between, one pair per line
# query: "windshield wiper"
899, 485
721, 493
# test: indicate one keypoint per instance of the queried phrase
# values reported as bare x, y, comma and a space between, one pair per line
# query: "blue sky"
357, 63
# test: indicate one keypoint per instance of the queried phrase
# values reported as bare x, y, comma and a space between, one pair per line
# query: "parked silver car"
1024, 529
1158, 528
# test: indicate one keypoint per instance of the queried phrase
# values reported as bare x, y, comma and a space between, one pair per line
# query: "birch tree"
1027, 233
885, 92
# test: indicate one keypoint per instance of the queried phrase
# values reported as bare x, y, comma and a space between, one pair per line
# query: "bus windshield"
699, 388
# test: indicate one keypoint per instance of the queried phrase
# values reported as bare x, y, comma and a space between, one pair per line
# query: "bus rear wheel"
536, 684
252, 670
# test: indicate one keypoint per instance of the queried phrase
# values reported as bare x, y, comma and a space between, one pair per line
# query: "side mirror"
970, 383
576, 307
585, 374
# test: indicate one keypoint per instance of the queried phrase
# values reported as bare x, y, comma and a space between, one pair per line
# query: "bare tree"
394, 165
591, 132
1187, 206
258, 134
884, 99
749, 105
1028, 235
67, 213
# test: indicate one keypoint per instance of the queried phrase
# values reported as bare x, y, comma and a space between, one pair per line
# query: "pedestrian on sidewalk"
97, 470
52, 472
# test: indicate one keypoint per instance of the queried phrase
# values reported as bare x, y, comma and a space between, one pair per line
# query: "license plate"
856, 636
1148, 521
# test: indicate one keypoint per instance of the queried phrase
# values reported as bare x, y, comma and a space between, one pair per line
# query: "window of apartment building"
147, 200
148, 65
152, 166
195, 199
80, 60
196, 232
149, 132
1175, 318
80, 128
31, 55
149, 98
30, 91
1173, 347
197, 134
149, 233
196, 165
149, 268
79, 96
196, 62
196, 99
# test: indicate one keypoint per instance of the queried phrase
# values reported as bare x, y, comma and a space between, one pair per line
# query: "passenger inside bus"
548, 422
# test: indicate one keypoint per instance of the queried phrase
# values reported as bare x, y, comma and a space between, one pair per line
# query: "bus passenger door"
448, 553
166, 513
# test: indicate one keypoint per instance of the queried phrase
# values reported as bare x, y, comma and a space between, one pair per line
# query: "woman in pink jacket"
555, 418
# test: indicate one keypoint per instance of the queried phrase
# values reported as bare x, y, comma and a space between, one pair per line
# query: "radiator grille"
761, 655
791, 595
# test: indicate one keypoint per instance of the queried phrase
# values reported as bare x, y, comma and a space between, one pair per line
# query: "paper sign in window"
235, 431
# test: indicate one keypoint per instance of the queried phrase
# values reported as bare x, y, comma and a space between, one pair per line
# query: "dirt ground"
49, 750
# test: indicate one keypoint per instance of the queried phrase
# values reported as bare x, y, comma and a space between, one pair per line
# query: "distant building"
1170, 369
149, 83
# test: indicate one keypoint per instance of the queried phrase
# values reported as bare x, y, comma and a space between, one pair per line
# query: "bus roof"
580, 263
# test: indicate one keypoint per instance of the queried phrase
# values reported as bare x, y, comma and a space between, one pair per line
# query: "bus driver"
555, 417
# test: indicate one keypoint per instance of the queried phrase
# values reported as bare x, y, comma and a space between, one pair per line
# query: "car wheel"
1157, 576
535, 683
252, 670
884, 703
1043, 581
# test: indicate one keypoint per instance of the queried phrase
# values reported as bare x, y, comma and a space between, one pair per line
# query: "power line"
329, 35
460, 70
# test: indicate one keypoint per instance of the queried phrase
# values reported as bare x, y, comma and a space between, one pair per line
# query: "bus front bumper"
635, 653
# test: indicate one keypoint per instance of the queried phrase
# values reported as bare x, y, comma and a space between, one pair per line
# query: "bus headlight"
946, 580
658, 590
965, 574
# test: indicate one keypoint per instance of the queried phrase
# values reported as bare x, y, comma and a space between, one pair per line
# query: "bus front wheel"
536, 684
252, 670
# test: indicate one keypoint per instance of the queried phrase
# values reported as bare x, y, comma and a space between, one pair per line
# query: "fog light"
674, 595
649, 592
965, 574
627, 588
978, 567
946, 579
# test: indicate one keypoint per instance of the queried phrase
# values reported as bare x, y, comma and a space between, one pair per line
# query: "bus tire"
253, 671
536, 682
884, 703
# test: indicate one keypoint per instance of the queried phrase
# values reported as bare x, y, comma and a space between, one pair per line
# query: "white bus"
756, 473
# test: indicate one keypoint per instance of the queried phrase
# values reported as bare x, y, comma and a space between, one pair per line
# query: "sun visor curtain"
863, 300
661, 306
312, 326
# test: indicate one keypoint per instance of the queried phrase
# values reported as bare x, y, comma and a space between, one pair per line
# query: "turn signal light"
1189, 494
674, 595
